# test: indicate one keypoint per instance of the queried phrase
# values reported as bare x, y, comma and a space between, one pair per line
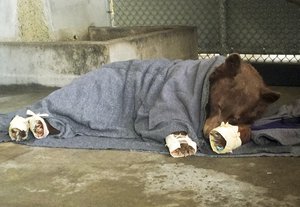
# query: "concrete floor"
33, 176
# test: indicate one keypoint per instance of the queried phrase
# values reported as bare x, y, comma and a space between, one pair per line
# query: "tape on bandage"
34, 121
21, 124
173, 143
230, 134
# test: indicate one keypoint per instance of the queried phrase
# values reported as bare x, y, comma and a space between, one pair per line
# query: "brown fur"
238, 95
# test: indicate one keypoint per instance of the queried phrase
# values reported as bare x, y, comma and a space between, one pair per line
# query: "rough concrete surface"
51, 20
33, 176
32, 22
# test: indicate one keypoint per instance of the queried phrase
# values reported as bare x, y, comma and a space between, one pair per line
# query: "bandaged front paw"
180, 145
225, 138
18, 129
37, 124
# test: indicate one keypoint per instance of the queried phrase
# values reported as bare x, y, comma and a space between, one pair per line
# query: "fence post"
223, 27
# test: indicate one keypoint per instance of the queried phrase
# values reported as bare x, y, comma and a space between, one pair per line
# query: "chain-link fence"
262, 31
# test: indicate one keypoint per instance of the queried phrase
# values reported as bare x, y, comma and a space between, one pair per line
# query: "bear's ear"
233, 62
229, 69
268, 95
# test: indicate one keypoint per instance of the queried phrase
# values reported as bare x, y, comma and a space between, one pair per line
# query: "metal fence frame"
261, 31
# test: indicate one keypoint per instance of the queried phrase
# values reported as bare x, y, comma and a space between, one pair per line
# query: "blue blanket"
282, 128
130, 105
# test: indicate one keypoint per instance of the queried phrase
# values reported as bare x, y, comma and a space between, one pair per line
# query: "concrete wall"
176, 43
48, 63
37, 41
58, 63
147, 42
50, 20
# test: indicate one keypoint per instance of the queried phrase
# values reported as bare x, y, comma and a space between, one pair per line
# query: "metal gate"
262, 31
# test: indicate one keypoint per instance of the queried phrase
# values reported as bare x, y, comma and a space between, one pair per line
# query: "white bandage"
34, 120
231, 135
173, 142
18, 123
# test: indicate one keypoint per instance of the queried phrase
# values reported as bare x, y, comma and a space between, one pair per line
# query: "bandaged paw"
180, 145
225, 138
18, 129
37, 124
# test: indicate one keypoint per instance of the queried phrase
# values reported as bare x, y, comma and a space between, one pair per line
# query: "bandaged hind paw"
225, 138
18, 128
180, 145
37, 124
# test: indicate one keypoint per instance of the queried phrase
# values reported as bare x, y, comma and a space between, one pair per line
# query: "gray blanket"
132, 105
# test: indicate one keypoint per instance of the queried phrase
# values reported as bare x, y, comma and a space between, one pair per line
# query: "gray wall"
42, 20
